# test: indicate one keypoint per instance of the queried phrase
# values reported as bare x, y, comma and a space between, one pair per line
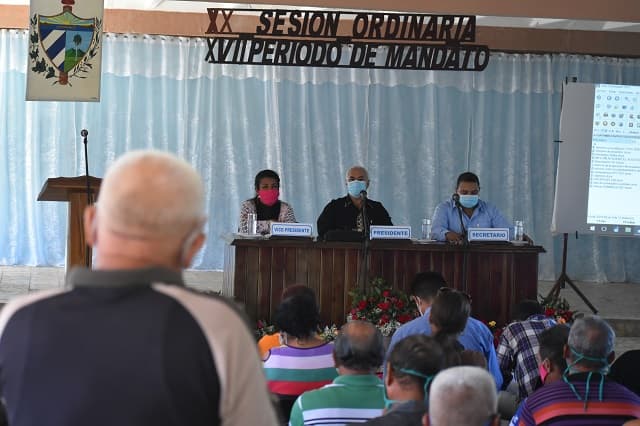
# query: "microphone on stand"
456, 200
465, 241
365, 215
84, 133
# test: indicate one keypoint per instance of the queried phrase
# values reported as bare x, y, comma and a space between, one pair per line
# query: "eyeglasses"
442, 290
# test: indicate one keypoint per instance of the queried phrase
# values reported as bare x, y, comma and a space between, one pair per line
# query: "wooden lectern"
74, 191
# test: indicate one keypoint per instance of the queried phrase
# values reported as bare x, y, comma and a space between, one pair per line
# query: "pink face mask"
269, 197
543, 372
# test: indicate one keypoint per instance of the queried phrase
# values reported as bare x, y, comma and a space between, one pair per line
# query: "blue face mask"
355, 187
388, 402
427, 380
469, 201
603, 371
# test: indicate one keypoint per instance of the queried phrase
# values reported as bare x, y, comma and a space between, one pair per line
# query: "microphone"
363, 194
456, 199
84, 135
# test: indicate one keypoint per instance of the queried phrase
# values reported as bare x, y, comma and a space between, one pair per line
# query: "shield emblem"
65, 39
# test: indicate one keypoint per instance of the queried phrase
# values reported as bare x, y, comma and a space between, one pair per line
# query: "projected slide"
614, 172
598, 176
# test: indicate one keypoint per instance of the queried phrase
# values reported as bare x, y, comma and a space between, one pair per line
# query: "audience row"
552, 374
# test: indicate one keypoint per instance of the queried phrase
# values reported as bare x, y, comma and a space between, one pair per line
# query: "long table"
256, 271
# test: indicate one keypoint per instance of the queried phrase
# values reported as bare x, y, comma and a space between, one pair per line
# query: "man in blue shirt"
475, 212
476, 336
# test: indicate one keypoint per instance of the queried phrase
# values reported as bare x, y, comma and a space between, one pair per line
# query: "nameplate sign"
291, 229
377, 232
488, 234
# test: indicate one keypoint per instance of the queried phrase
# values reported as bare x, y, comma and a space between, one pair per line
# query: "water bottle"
426, 229
252, 223
519, 230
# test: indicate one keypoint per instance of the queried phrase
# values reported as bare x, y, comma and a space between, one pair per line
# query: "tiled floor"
614, 301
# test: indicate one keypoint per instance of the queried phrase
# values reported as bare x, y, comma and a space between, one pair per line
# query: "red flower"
362, 305
260, 325
404, 318
549, 312
384, 306
386, 293
384, 319
399, 304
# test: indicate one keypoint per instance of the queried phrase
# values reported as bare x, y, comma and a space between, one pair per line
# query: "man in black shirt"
126, 343
346, 213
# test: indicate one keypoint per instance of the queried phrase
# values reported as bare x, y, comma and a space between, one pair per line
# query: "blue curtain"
415, 131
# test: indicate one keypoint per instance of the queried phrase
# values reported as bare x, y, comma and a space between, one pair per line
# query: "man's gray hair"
359, 346
355, 166
593, 337
151, 193
462, 396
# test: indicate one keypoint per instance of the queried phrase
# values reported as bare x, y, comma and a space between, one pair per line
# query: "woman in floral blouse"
266, 204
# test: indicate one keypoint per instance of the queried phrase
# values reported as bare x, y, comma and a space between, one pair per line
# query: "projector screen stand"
564, 279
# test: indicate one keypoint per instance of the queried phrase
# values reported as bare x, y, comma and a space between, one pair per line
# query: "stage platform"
617, 302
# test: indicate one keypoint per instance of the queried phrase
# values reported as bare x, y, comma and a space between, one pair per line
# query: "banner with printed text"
344, 39
65, 50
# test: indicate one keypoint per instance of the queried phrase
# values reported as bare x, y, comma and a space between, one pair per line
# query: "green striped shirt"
349, 399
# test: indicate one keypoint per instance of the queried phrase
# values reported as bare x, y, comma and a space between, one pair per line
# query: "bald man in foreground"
127, 343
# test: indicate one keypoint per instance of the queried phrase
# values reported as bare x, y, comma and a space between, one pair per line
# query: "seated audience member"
274, 340
357, 394
551, 343
267, 342
463, 396
411, 367
476, 213
449, 314
475, 336
305, 360
584, 396
551, 355
346, 213
474, 358
518, 346
625, 371
126, 343
266, 204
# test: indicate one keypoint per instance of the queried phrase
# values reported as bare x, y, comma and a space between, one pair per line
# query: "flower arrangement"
329, 333
263, 328
557, 307
495, 331
382, 305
